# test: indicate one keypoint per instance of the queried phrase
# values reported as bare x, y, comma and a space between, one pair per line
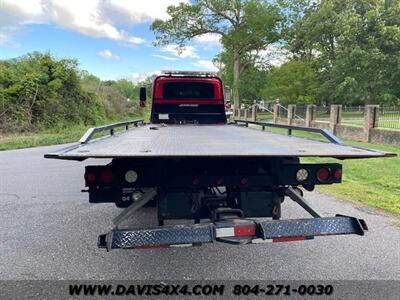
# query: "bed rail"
92, 131
326, 133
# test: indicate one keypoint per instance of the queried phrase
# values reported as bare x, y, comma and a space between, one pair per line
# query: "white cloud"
138, 11
138, 77
86, 17
14, 15
107, 54
134, 40
209, 39
205, 64
164, 57
96, 18
187, 51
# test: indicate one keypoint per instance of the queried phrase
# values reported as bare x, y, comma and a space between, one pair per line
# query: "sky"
110, 38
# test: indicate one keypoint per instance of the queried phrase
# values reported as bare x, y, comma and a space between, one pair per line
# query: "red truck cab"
187, 97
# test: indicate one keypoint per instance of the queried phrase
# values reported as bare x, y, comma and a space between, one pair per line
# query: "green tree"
114, 95
245, 27
293, 82
354, 47
126, 88
40, 91
252, 77
295, 32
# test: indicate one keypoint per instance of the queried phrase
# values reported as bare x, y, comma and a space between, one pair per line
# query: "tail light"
220, 181
106, 176
323, 174
90, 177
337, 174
245, 230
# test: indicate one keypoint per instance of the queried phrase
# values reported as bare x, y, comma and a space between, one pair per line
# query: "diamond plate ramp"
312, 227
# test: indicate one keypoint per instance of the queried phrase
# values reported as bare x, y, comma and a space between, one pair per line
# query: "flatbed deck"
175, 141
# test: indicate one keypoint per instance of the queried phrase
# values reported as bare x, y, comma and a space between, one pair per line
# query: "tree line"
38, 91
330, 51
334, 51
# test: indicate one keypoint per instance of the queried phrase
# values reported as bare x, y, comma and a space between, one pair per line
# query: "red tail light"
337, 174
220, 181
323, 174
244, 181
106, 176
90, 177
245, 230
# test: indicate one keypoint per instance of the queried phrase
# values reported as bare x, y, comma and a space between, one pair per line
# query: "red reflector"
220, 181
245, 230
289, 239
337, 174
323, 174
196, 181
244, 181
90, 177
106, 176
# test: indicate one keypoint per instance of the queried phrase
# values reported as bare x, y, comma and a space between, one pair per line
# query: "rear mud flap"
229, 230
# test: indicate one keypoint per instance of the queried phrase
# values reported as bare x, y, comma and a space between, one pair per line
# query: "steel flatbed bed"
173, 141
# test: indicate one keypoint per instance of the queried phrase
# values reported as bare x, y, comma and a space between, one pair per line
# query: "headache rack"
189, 73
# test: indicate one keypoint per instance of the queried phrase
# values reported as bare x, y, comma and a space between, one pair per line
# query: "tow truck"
227, 180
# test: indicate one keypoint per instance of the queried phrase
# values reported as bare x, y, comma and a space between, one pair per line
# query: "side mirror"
142, 94
142, 97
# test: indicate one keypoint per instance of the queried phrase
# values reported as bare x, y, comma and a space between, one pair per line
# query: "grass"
27, 140
51, 137
372, 181
265, 116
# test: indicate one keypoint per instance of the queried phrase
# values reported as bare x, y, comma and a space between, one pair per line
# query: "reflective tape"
225, 232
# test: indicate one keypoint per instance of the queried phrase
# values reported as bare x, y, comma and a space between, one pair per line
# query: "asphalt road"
49, 230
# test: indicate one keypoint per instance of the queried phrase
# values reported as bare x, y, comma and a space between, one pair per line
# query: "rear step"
236, 231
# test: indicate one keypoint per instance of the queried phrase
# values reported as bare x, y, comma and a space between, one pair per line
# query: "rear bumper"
239, 231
